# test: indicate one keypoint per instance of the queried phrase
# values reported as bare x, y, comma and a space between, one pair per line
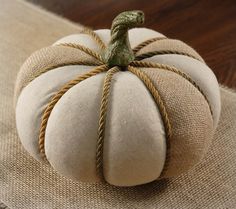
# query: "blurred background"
207, 25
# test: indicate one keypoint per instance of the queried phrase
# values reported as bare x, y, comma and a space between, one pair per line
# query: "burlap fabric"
25, 183
189, 114
45, 58
175, 45
190, 117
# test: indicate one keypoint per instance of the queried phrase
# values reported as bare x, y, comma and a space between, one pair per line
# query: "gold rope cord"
172, 69
76, 46
84, 49
70, 84
88, 63
102, 120
57, 97
163, 52
145, 43
156, 95
94, 36
106, 91
163, 112
161, 106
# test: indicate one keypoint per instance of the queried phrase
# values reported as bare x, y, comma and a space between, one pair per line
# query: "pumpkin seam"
137, 48
162, 109
102, 120
94, 36
84, 49
164, 52
52, 67
56, 98
172, 69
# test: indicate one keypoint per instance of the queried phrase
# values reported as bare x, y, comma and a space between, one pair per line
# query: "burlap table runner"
25, 183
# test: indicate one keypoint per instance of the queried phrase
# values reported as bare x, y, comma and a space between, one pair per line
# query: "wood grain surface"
207, 25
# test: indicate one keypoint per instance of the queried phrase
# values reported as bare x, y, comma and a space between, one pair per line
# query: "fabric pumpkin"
126, 105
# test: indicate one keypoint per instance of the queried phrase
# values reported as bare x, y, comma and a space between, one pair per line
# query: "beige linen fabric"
79, 148
190, 119
46, 57
25, 183
200, 73
167, 44
73, 154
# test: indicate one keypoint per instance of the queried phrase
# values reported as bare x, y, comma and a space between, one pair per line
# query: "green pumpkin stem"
118, 51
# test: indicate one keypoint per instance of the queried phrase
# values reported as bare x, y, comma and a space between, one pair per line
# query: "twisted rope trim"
57, 97
161, 52
161, 106
172, 69
70, 84
84, 49
80, 47
88, 63
94, 37
147, 42
106, 91
102, 120
156, 95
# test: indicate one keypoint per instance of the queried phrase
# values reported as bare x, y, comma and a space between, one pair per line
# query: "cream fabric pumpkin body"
134, 150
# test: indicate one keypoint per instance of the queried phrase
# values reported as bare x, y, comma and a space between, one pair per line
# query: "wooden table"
207, 25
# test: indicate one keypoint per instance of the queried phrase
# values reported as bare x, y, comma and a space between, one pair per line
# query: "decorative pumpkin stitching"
172, 69
94, 36
147, 42
161, 106
153, 53
84, 49
102, 120
132, 67
57, 97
